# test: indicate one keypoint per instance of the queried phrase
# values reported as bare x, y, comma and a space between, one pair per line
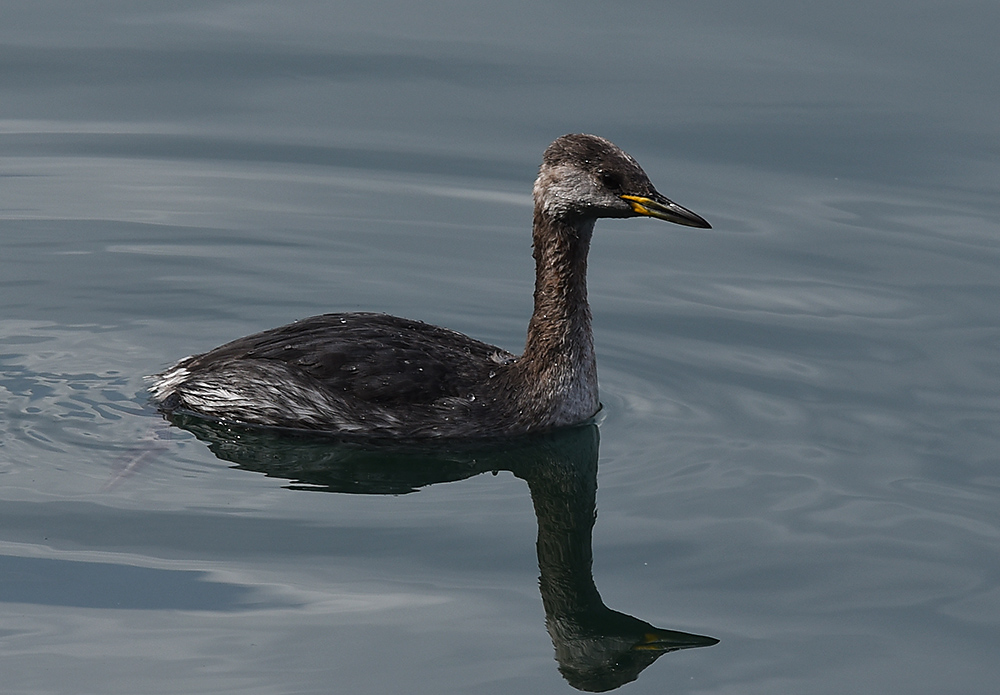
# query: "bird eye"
610, 179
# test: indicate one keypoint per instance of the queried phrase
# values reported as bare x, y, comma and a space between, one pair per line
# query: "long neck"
561, 311
559, 354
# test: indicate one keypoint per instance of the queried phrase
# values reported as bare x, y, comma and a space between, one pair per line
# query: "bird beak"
662, 209
670, 640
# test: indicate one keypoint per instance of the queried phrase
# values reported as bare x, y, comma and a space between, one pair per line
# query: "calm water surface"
798, 454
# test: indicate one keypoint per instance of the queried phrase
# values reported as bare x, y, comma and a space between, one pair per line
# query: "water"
798, 452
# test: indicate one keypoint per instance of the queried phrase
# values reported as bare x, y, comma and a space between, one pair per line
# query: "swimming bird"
377, 375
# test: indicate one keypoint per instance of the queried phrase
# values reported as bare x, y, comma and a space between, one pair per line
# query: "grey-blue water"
799, 451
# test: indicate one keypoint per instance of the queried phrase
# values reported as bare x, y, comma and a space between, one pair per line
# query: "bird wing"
373, 357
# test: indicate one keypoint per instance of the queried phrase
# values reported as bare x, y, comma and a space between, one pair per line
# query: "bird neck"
559, 352
561, 317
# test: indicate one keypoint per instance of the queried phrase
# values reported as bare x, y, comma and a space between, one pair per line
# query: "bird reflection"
597, 648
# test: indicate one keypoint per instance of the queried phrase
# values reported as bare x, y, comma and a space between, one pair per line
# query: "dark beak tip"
696, 221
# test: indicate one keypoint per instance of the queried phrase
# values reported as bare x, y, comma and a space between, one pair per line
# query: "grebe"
382, 376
